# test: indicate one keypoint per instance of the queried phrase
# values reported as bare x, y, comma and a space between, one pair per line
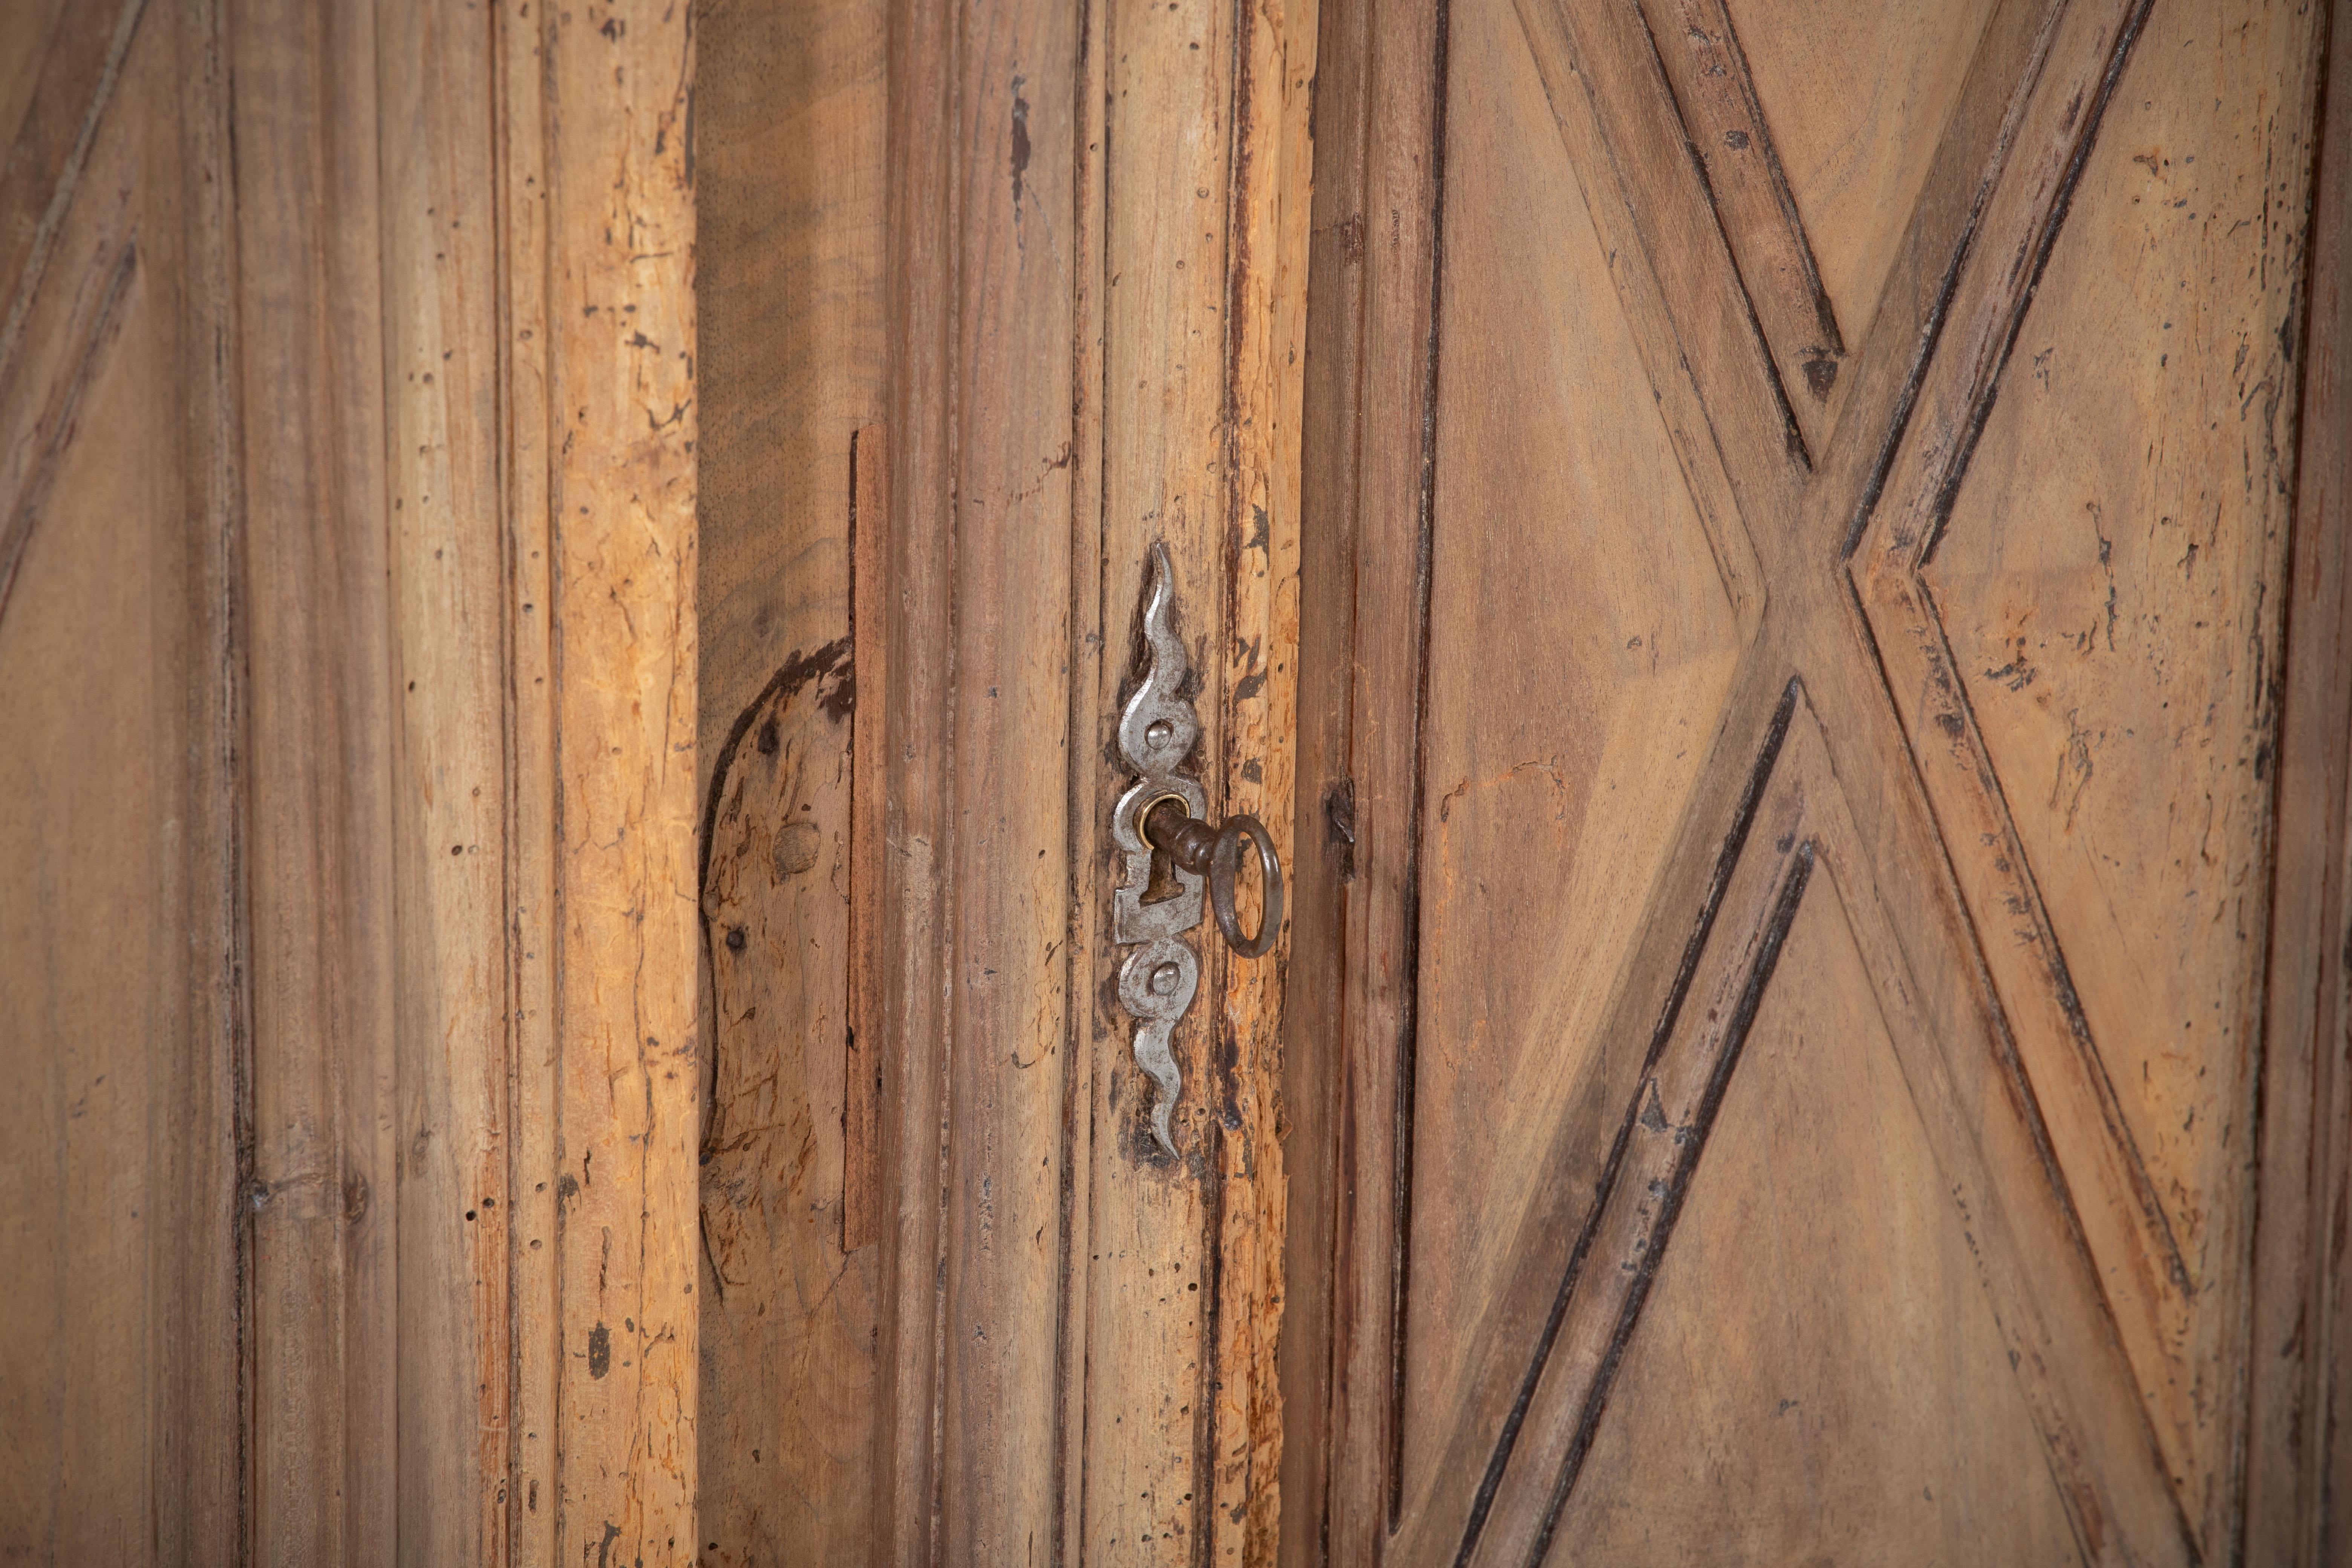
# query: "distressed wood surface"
791, 191
346, 566
451, 832
978, 1316
2295, 1466
537, 246
620, 509
1588, 969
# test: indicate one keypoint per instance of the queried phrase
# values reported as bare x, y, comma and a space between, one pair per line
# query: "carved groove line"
59, 423
1409, 967
1734, 1037
1983, 778
1741, 264
1734, 843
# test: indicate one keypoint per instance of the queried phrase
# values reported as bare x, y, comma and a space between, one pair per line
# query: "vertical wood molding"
538, 265
2296, 1464
126, 1145
451, 834
620, 507
1098, 223
347, 569
317, 797
1351, 1038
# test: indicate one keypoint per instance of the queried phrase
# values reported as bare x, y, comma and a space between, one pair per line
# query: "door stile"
1368, 553
2295, 1470
1093, 310
538, 244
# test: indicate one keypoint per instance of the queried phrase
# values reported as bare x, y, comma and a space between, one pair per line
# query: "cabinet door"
1801, 528
994, 301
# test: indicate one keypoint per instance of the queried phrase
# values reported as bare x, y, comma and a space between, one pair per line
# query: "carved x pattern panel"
1848, 765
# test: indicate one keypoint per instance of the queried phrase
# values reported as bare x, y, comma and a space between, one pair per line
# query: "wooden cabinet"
1778, 570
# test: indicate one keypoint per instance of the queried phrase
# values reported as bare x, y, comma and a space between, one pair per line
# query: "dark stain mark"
767, 740
599, 1351
1340, 825
604, 1547
356, 1196
839, 700
1020, 142
736, 939
797, 673
1249, 686
1350, 236
1821, 372
1736, 140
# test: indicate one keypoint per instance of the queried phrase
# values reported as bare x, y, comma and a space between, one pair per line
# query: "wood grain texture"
1161, 221
621, 524
1275, 67
1817, 1329
2294, 1463
794, 516
1093, 285
316, 669
1856, 99
67, 74
2065, 1232
1322, 835
451, 830
2109, 591
1588, 577
1731, 141
302, 374
543, 581
534, 1200
2075, 973
122, 932
1193, 208
1369, 1037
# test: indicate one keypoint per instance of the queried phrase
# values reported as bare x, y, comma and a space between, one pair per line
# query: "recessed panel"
1855, 95
1817, 1375
94, 945
1580, 646
2111, 582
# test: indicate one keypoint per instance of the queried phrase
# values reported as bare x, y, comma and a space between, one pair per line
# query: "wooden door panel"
1818, 1373
1852, 98
1581, 645
2106, 587
118, 917
1619, 219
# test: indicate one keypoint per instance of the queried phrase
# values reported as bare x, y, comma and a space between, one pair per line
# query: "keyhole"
1163, 884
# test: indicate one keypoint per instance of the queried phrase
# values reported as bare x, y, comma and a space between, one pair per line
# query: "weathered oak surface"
346, 938
1803, 564
973, 344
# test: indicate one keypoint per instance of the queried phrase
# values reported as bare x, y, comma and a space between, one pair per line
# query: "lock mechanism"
1168, 852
